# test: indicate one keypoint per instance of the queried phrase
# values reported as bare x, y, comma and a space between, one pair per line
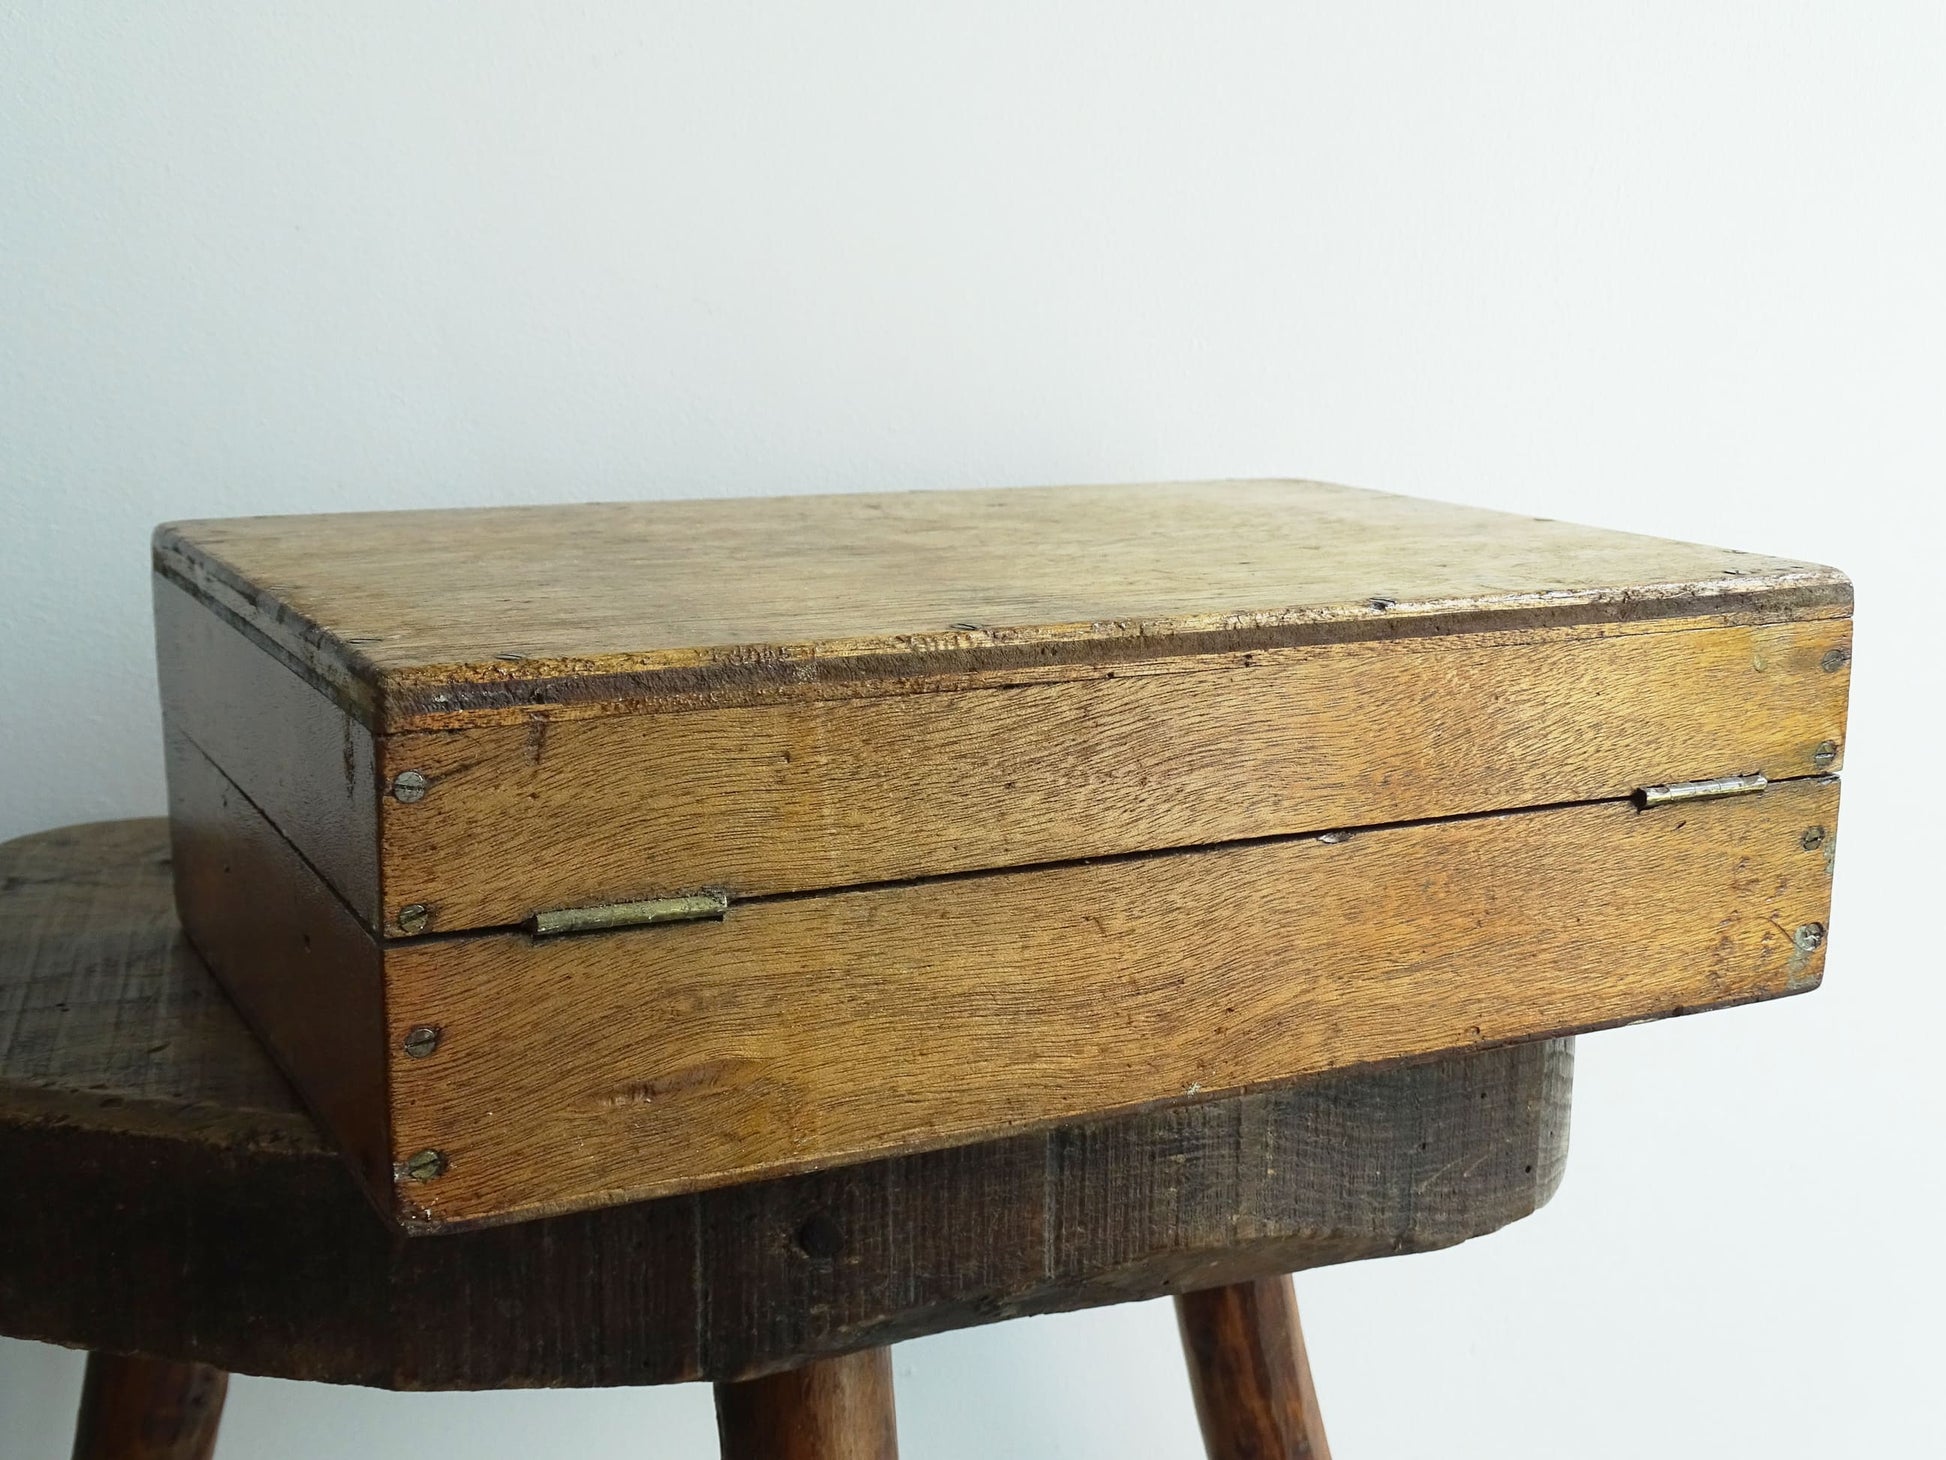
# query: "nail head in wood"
413, 917
1809, 936
1826, 752
425, 1165
1834, 660
1812, 839
409, 786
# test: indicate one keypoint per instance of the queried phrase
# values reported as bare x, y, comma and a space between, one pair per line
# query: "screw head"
1826, 752
409, 786
1812, 839
1808, 937
421, 1040
1834, 660
413, 917
425, 1165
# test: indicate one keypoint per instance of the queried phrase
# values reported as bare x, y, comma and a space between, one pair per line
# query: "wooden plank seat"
164, 1194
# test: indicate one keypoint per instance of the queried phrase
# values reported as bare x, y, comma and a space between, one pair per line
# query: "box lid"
433, 619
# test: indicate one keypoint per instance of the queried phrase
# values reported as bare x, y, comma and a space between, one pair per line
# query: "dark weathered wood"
107, 1016
835, 1409
135, 1408
1249, 1372
161, 1192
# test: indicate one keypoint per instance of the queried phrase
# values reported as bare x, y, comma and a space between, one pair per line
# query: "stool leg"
134, 1408
834, 1409
1249, 1374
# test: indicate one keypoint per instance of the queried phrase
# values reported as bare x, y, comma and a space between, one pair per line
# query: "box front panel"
805, 1031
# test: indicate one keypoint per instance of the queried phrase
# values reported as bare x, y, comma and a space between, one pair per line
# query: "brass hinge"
687, 909
1700, 790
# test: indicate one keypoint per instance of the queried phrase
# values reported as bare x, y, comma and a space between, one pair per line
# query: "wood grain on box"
803, 1031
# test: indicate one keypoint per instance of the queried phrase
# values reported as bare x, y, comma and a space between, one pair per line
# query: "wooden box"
574, 855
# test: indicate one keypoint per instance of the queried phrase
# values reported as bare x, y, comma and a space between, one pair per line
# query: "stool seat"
163, 1193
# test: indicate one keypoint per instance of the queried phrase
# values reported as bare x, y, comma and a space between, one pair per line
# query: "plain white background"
1668, 267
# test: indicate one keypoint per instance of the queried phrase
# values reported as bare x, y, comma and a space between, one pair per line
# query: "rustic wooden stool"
168, 1205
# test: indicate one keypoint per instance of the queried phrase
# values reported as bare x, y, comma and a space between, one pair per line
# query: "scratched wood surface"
423, 619
107, 1016
162, 1192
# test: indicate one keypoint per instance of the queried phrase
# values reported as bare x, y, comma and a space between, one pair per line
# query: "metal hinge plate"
1700, 790
693, 907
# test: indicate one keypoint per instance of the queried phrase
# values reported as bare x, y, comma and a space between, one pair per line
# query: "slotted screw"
421, 1040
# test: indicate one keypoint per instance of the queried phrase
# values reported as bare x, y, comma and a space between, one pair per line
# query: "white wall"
1670, 267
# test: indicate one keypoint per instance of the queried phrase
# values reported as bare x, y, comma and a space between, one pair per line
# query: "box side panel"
808, 1031
298, 965
796, 796
301, 760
